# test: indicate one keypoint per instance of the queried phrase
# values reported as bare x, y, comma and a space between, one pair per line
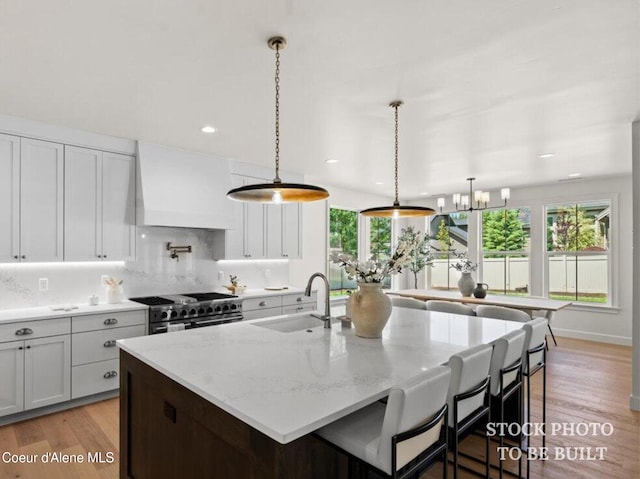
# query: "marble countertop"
45, 312
287, 385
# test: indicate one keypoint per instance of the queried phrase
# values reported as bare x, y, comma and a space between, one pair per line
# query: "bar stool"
534, 360
403, 437
399, 302
506, 379
499, 312
449, 307
468, 396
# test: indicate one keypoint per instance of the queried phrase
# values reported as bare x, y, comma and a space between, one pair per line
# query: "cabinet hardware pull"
262, 303
24, 332
28, 347
16, 257
110, 321
23, 257
299, 308
109, 344
104, 256
99, 256
20, 348
110, 374
299, 300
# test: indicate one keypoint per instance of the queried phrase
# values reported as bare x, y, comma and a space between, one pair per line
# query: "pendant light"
277, 191
396, 210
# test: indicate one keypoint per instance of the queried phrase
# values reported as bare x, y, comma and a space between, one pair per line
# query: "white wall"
593, 323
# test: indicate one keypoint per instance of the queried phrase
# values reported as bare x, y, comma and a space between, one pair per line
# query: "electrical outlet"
103, 279
220, 275
43, 284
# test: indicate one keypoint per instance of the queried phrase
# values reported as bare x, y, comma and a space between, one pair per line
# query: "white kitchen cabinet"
31, 200
264, 230
99, 205
278, 304
283, 231
11, 377
41, 200
47, 371
247, 240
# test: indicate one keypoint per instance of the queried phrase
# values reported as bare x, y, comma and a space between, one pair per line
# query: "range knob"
233, 306
200, 310
209, 310
164, 315
218, 309
174, 314
183, 312
225, 307
192, 311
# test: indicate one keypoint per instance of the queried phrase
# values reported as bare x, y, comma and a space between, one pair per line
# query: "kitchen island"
240, 400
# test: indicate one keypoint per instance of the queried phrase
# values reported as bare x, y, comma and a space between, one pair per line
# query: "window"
578, 251
343, 238
505, 250
380, 242
449, 235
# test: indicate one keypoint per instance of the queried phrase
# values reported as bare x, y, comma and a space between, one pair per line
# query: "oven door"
161, 327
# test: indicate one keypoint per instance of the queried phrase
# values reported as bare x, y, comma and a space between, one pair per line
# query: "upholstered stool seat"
399, 302
500, 312
449, 307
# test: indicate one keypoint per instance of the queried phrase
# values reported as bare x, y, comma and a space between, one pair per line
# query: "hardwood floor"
586, 383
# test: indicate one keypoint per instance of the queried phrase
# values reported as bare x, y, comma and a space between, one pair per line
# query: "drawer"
95, 378
93, 322
262, 313
291, 299
299, 308
34, 329
262, 303
100, 345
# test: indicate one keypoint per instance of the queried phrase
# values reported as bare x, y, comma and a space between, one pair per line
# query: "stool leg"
544, 404
528, 414
455, 452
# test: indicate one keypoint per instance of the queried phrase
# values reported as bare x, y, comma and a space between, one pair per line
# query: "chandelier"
475, 200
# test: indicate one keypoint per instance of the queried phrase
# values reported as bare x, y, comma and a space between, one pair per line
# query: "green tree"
343, 230
502, 231
443, 236
380, 238
571, 230
421, 254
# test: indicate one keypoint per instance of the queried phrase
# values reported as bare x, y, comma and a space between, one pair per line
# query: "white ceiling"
488, 85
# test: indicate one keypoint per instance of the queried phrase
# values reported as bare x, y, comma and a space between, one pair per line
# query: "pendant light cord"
395, 106
277, 178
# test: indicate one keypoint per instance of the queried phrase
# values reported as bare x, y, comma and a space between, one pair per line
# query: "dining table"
529, 304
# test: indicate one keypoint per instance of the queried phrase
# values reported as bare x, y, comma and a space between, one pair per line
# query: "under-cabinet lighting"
63, 264
208, 129
331, 160
246, 261
574, 175
546, 155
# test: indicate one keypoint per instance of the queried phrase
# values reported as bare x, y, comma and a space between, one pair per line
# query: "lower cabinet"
276, 305
94, 360
34, 373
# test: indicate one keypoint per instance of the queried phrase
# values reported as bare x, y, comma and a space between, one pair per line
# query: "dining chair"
534, 360
500, 312
449, 307
401, 438
468, 397
506, 380
400, 302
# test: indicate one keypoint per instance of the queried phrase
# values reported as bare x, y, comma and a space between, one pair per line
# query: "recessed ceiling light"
546, 155
208, 129
379, 183
573, 175
330, 160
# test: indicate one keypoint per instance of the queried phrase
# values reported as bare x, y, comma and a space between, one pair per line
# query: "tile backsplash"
153, 272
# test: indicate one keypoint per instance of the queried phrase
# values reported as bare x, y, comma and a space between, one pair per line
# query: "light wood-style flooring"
586, 383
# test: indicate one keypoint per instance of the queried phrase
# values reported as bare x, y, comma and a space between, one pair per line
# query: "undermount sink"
291, 325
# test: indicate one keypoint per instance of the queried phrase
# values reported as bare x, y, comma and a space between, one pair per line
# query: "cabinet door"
291, 213
254, 227
118, 207
47, 371
41, 200
274, 231
9, 198
11, 377
82, 227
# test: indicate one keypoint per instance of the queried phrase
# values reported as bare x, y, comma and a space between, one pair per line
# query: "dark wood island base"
167, 431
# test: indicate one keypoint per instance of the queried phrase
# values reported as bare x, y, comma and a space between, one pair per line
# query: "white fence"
592, 271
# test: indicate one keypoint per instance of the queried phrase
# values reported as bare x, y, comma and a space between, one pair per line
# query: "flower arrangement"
374, 270
464, 264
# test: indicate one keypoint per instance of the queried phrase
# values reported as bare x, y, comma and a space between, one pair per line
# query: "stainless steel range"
193, 310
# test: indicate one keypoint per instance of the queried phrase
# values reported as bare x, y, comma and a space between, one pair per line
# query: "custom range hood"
182, 189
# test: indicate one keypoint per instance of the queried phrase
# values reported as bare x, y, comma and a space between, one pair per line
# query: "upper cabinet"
99, 205
262, 231
32, 200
